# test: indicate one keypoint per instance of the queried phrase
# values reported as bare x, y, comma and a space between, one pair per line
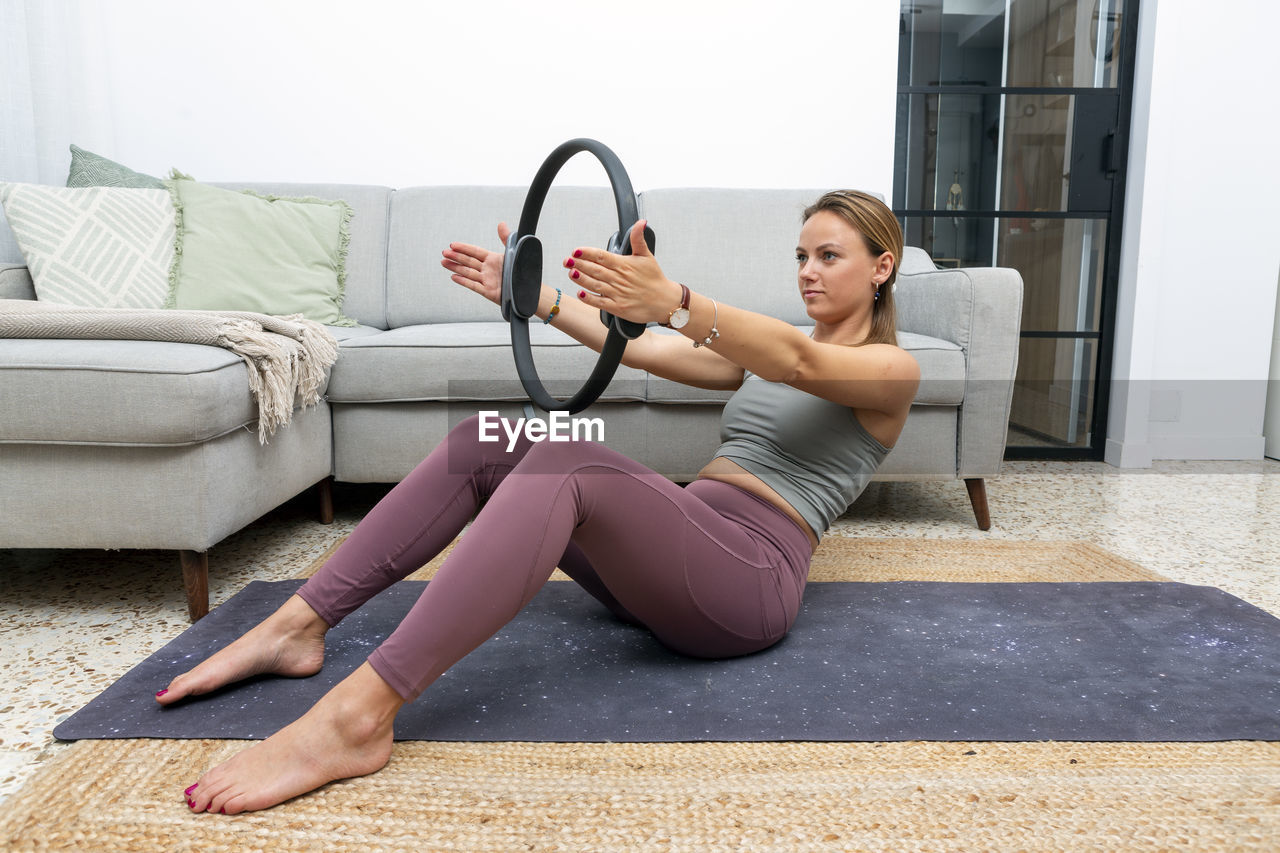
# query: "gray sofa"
126, 444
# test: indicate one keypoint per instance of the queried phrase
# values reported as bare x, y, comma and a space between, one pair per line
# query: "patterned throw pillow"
94, 170
97, 247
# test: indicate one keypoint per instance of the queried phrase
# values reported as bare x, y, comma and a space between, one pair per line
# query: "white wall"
399, 93
1199, 266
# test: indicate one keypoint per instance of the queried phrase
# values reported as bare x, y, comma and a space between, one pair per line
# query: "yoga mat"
899, 661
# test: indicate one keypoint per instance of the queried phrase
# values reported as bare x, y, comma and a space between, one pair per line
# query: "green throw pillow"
93, 170
240, 251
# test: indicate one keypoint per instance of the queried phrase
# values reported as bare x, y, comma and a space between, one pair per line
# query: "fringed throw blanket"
287, 357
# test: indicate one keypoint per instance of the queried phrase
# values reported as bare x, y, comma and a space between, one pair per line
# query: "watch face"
679, 318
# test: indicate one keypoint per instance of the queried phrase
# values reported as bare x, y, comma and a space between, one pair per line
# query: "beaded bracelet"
714, 333
555, 309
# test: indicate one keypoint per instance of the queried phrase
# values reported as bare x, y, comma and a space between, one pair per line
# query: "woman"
714, 569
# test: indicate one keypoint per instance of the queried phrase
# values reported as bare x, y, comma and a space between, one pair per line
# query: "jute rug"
126, 795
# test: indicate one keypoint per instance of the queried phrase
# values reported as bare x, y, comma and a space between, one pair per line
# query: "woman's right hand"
476, 268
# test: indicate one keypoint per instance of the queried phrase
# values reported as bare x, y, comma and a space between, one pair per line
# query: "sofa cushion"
464, 361
659, 390
144, 393
120, 392
346, 333
942, 369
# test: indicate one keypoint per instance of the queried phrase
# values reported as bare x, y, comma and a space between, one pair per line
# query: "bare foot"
347, 733
289, 642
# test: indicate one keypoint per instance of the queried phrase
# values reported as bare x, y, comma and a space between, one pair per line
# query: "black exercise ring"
522, 277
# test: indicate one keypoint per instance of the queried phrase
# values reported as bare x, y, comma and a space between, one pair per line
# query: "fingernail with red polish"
582, 294
575, 274
162, 692
577, 253
569, 263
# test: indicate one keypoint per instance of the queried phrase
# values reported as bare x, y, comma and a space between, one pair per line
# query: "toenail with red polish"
192, 788
162, 692
223, 810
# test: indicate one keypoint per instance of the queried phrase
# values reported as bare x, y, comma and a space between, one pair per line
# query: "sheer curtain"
54, 90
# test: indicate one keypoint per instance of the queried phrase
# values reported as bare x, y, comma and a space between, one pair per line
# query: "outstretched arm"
879, 377
668, 356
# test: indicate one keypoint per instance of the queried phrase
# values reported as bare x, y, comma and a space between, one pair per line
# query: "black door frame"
1117, 160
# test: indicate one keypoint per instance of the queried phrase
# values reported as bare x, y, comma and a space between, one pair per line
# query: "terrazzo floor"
72, 622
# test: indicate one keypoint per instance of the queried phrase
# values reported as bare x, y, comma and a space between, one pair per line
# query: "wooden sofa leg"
325, 489
195, 577
978, 497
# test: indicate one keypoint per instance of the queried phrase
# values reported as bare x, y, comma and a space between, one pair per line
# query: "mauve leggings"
711, 570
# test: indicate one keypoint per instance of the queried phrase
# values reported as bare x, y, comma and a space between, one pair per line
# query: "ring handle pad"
620, 244
522, 285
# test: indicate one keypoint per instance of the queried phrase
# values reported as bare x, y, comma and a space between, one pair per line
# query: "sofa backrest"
424, 220
9, 251
737, 245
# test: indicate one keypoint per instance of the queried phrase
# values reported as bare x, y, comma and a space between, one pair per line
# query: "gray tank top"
811, 451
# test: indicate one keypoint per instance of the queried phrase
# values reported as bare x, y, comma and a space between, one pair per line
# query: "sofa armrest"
992, 366
15, 282
980, 310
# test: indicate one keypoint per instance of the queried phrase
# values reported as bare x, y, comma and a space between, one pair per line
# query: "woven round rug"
928, 796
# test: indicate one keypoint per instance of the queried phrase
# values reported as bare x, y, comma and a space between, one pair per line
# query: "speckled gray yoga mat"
865, 662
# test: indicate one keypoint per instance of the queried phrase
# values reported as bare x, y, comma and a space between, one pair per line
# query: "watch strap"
684, 303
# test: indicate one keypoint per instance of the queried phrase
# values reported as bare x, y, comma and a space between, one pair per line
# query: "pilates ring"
522, 277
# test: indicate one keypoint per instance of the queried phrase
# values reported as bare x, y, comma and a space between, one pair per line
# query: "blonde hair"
881, 233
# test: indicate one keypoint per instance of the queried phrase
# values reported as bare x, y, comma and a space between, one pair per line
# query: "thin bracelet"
714, 333
555, 309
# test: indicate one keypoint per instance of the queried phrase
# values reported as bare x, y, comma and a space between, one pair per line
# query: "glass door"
1012, 130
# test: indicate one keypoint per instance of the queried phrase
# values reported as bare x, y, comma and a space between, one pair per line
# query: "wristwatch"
679, 316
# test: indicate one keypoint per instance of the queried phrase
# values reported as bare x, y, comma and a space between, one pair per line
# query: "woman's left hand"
632, 287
